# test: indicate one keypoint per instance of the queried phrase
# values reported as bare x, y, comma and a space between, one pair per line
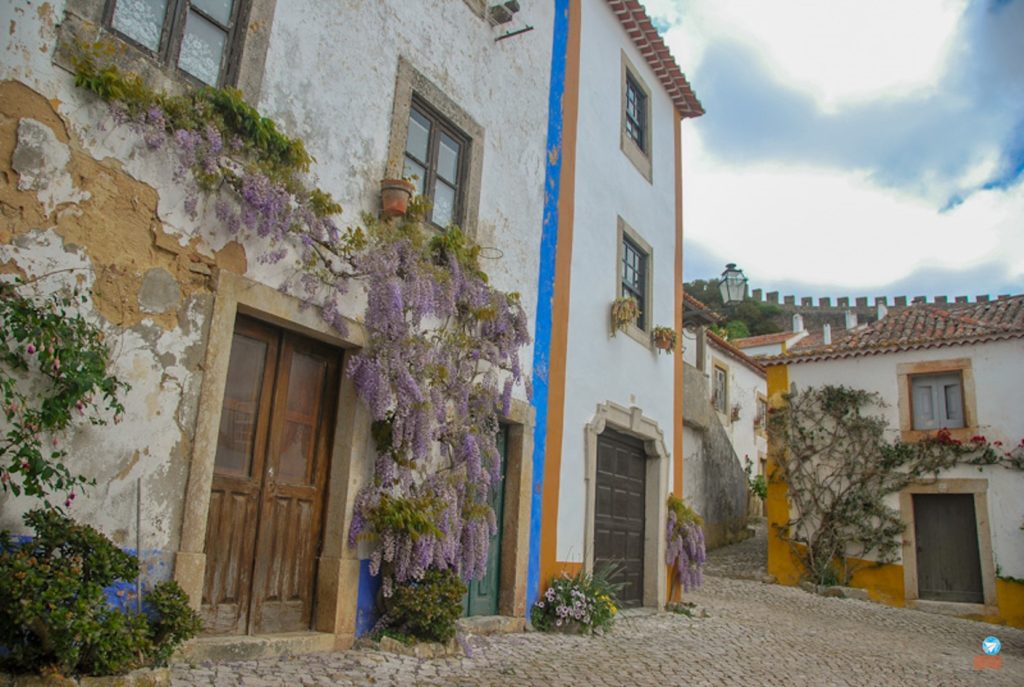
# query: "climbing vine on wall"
53, 373
442, 358
839, 469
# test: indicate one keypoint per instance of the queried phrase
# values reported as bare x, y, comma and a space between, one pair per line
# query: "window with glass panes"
197, 36
634, 278
435, 152
636, 113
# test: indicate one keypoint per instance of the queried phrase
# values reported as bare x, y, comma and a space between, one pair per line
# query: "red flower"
978, 439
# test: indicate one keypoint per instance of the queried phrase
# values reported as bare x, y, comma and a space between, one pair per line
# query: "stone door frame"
632, 422
338, 565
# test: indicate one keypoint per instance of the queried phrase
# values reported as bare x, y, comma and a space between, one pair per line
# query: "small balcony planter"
394, 196
624, 310
664, 339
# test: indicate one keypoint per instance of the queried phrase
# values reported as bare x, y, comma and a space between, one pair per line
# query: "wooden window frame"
410, 85
173, 31
440, 124
640, 155
905, 372
626, 233
717, 367
760, 414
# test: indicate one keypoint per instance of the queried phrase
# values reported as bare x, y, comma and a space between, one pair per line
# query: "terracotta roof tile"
736, 353
648, 41
917, 326
763, 339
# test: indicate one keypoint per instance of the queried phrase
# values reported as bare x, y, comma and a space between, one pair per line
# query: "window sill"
640, 159
963, 434
639, 335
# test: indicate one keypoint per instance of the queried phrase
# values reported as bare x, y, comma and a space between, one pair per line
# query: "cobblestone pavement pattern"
756, 634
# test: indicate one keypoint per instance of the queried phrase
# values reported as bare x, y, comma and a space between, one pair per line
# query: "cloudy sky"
854, 147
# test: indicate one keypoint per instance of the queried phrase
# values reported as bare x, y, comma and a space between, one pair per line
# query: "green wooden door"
482, 597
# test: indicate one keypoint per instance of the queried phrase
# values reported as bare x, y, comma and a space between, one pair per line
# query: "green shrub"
587, 601
54, 614
427, 609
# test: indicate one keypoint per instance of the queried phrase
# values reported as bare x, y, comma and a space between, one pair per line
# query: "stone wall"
714, 484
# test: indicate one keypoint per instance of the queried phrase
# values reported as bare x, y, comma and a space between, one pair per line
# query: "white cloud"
839, 51
835, 226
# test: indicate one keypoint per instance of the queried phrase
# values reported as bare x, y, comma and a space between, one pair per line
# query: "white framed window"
720, 389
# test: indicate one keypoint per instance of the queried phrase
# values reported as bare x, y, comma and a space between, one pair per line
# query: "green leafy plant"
584, 601
54, 613
757, 483
54, 370
425, 609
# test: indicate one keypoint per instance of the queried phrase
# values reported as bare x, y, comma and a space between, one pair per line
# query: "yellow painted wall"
883, 583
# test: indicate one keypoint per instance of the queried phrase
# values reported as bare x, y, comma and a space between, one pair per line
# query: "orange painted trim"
560, 302
677, 371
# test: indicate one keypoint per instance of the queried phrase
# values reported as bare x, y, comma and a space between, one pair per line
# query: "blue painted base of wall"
366, 603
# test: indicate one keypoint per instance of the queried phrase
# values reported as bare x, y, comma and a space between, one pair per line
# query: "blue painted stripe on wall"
545, 291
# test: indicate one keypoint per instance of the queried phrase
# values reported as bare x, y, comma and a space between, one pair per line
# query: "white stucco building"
609, 444
955, 367
435, 90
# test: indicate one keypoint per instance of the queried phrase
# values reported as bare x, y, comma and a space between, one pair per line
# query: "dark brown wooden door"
948, 562
266, 502
619, 511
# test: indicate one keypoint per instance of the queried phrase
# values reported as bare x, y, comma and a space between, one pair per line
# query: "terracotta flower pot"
394, 196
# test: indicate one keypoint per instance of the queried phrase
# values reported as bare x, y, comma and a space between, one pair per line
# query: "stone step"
248, 648
490, 625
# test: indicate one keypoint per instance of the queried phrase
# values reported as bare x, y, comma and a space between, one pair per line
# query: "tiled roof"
648, 41
695, 310
736, 353
764, 339
917, 326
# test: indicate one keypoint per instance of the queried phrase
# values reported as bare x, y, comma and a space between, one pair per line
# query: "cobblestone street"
755, 634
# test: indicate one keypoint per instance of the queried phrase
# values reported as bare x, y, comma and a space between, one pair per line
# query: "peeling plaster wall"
81, 195
999, 389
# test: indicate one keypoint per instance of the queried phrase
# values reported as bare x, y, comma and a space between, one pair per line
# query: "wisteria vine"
685, 553
442, 359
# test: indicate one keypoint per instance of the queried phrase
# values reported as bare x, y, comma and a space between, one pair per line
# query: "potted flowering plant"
394, 196
664, 338
625, 309
580, 604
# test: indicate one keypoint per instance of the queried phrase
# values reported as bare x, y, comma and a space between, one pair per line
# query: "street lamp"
733, 285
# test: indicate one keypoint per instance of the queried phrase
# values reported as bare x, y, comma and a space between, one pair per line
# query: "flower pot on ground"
394, 196
664, 338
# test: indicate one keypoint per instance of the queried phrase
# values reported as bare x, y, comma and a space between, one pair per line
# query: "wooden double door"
619, 513
266, 503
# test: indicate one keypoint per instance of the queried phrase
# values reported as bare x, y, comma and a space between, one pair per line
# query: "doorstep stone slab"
254, 647
490, 625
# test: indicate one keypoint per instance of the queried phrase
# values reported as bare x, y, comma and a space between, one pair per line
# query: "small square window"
937, 401
435, 155
200, 37
634, 278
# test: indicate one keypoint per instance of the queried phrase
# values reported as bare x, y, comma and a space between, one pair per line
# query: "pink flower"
30, 349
